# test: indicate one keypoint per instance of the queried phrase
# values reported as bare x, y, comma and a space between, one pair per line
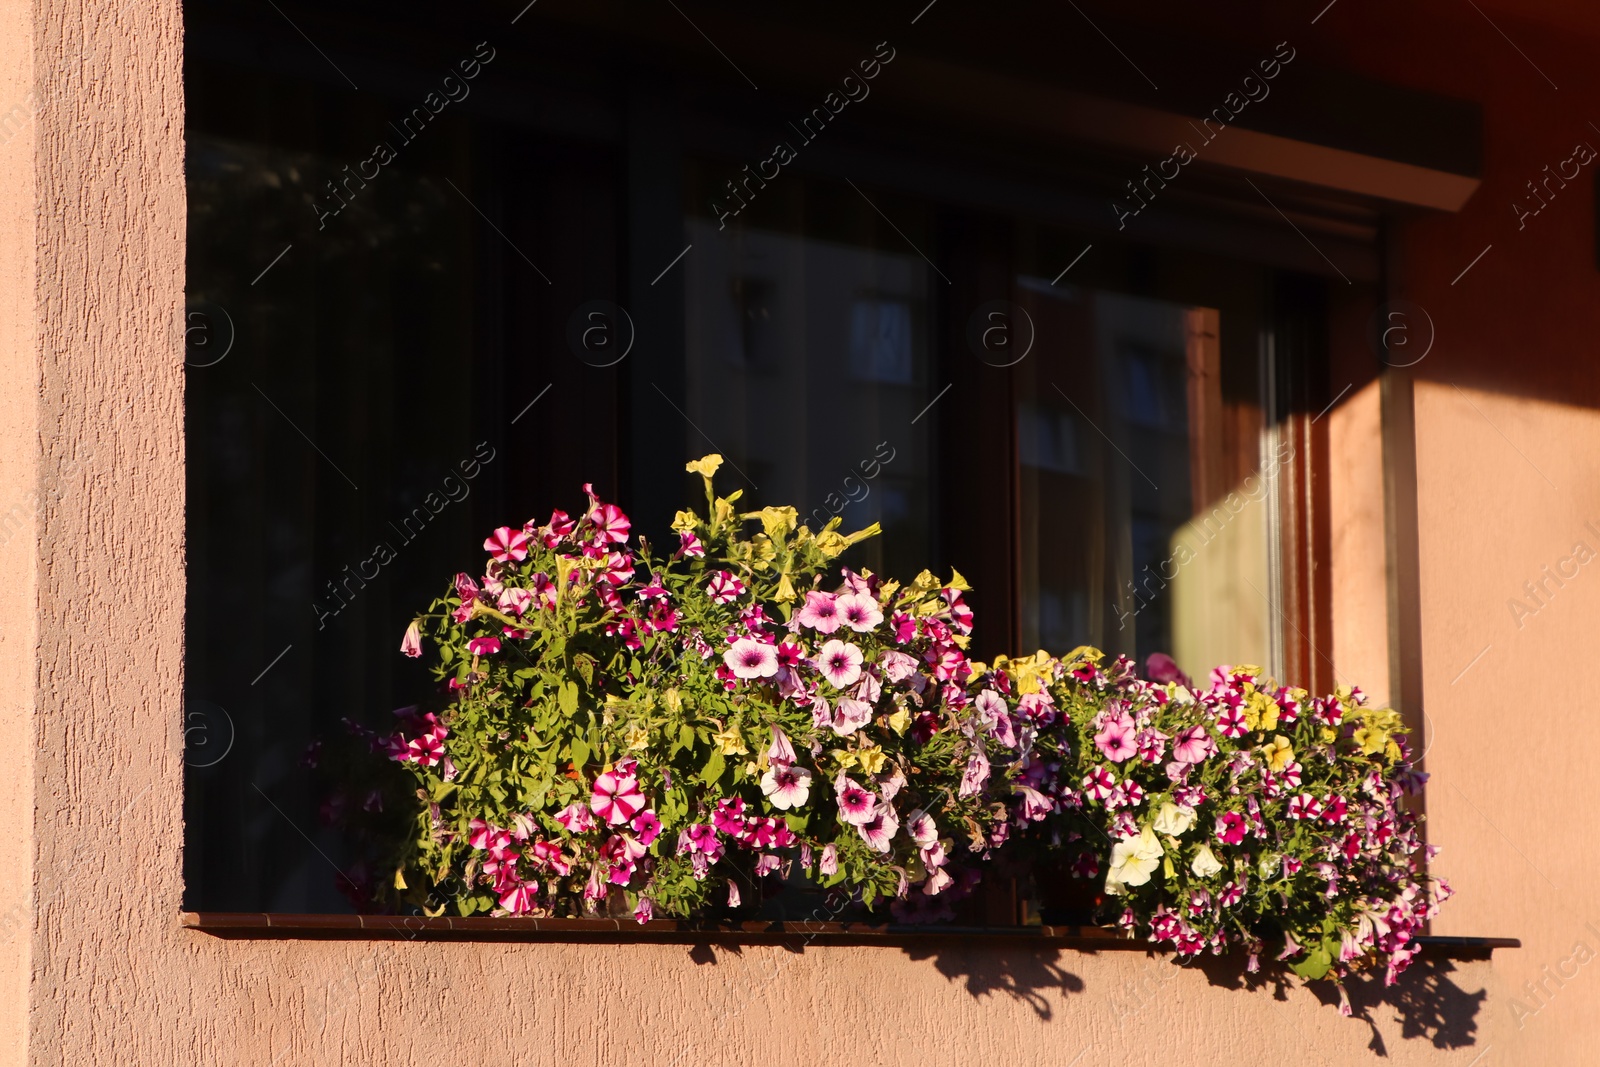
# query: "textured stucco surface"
91, 617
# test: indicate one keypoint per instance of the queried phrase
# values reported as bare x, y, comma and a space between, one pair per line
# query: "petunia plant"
625, 729
1237, 814
621, 727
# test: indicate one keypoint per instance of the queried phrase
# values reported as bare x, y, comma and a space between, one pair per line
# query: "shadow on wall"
1424, 1001
1029, 975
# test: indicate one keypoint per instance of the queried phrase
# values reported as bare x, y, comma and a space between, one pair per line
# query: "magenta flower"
618, 569
648, 826
850, 715
897, 666
879, 830
724, 588
922, 829
609, 523
733, 894
1304, 806
856, 805
840, 663
828, 864
976, 775
411, 643
519, 898
1160, 667
616, 797
1193, 745
483, 646
689, 545
1035, 805
749, 658
1231, 722
960, 614
1115, 739
576, 818
781, 750
1098, 783
905, 628
425, 751
729, 815
1230, 828
786, 786
701, 839
506, 545
645, 911
1152, 744
561, 525
859, 611
820, 612
478, 833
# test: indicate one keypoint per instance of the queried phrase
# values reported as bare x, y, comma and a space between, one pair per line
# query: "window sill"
259, 925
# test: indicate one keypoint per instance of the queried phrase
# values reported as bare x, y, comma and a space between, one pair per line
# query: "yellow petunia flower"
730, 742
705, 466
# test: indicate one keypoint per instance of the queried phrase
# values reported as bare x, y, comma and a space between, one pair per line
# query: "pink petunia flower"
645, 911
897, 666
609, 523
879, 830
483, 646
506, 545
733, 894
749, 658
905, 627
1098, 783
781, 750
1230, 828
828, 864
976, 774
689, 545
619, 568
840, 663
1152, 744
1116, 739
786, 786
425, 751
616, 797
922, 829
1193, 745
724, 588
820, 612
856, 805
411, 643
648, 826
576, 818
519, 899
850, 715
1231, 722
859, 611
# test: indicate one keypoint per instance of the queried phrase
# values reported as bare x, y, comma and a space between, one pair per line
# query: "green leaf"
569, 697
580, 753
797, 821
1315, 965
713, 768
685, 740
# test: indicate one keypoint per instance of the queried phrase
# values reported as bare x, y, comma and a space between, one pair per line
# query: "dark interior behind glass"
497, 317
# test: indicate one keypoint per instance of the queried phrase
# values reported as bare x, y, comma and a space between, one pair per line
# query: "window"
535, 292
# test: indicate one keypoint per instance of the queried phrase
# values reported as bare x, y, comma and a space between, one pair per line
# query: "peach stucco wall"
96, 969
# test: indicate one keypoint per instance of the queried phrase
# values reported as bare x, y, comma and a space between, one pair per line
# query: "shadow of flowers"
1025, 974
